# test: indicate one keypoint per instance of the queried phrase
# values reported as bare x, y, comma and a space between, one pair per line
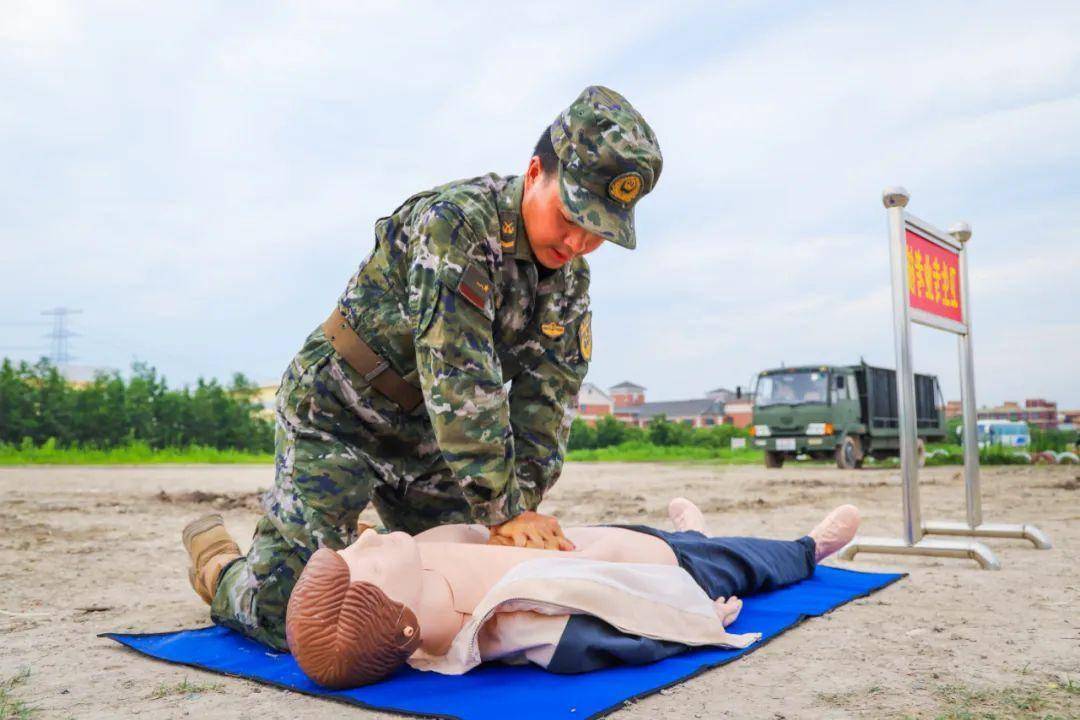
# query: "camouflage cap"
608, 160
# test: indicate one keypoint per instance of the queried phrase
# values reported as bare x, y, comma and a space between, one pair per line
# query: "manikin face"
555, 240
391, 562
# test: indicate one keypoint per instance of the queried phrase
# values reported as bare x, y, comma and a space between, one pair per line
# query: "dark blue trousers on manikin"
726, 566
722, 566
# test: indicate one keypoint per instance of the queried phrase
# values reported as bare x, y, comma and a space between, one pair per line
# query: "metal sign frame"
914, 542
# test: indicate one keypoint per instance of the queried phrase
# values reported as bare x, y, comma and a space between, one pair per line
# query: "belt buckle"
376, 371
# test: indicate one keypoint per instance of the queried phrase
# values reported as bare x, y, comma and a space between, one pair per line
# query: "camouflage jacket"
453, 299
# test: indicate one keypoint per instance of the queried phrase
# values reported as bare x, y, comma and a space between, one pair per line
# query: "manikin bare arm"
457, 533
684, 515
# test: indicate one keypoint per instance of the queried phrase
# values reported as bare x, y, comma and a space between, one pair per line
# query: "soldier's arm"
452, 303
542, 398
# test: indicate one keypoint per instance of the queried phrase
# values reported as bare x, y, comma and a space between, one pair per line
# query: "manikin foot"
685, 515
835, 531
727, 609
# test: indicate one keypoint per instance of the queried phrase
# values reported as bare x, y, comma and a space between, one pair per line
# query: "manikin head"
349, 622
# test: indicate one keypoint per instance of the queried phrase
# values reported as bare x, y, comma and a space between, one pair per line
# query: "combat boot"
210, 548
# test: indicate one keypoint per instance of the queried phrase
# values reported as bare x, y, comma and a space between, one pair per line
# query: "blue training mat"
482, 693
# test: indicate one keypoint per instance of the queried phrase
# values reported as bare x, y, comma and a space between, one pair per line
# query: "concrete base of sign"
996, 530
964, 549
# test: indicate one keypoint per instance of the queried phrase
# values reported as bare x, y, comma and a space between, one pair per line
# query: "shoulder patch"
475, 286
585, 337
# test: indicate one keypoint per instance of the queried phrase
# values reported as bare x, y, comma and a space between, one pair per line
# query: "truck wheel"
849, 453
920, 452
774, 459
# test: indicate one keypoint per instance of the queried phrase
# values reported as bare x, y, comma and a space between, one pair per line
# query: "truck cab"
804, 410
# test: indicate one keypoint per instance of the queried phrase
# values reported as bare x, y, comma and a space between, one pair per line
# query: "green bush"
665, 433
661, 432
610, 431
582, 436
952, 426
1056, 440
998, 455
38, 407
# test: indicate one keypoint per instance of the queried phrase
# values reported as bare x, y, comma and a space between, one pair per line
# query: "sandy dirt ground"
88, 550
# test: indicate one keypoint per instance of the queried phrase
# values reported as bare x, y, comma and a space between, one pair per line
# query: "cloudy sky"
201, 180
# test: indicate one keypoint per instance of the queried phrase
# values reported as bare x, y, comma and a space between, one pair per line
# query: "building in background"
628, 405
698, 412
264, 397
1036, 412
593, 403
627, 394
738, 406
1068, 419
954, 409
739, 411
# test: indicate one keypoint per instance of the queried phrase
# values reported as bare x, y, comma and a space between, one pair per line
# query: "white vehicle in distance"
1007, 433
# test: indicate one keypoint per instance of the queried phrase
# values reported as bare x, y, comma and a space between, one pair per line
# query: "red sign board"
933, 275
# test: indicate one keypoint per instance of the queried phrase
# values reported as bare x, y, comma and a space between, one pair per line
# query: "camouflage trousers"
339, 445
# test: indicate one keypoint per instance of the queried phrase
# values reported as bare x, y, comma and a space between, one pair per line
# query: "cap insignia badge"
625, 188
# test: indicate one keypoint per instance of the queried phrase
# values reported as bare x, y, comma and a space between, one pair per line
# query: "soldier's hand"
533, 530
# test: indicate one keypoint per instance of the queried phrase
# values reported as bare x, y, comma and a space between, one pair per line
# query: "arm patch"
475, 286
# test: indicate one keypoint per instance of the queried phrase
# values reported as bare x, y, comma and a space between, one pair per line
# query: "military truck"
845, 412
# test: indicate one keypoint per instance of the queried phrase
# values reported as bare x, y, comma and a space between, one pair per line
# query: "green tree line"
38, 405
660, 431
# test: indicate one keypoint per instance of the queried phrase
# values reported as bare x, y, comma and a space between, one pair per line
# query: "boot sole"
199, 526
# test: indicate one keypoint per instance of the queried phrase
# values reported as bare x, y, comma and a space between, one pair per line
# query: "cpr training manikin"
446, 600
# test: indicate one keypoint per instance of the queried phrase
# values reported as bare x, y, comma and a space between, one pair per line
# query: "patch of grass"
1029, 701
11, 708
1048, 701
135, 453
185, 687
647, 452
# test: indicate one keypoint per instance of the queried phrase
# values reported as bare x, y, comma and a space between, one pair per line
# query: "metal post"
961, 232
895, 200
975, 527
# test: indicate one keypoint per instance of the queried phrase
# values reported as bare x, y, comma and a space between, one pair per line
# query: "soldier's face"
555, 240
391, 562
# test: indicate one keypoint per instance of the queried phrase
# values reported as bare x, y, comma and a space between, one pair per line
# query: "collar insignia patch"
625, 188
508, 227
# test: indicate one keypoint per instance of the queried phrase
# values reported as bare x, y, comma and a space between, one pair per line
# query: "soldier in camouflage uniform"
472, 286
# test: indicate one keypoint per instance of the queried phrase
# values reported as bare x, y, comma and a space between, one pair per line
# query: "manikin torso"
457, 568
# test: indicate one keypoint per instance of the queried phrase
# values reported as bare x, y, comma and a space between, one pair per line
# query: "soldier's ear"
534, 172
